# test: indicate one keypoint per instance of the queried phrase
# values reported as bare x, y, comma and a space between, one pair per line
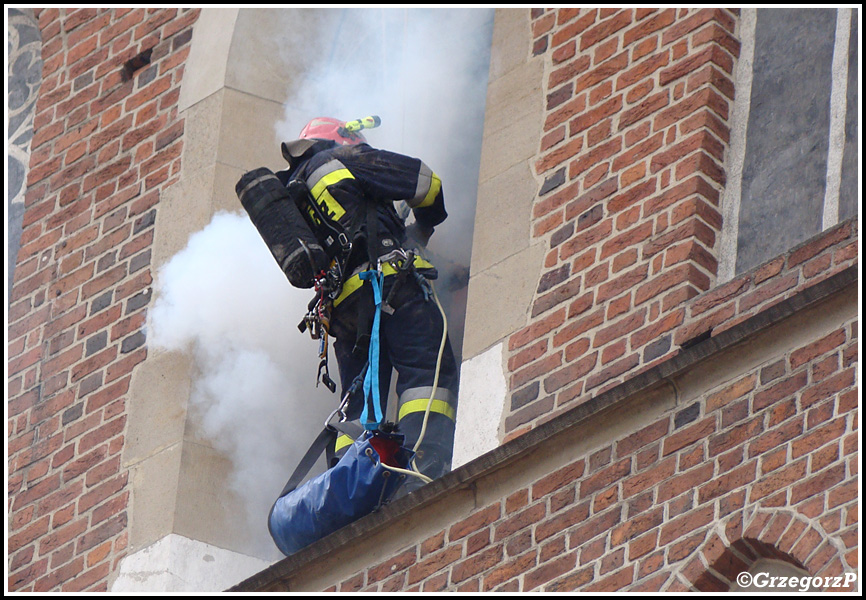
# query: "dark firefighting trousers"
409, 341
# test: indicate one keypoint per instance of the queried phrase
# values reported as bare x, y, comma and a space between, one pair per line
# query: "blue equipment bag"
356, 486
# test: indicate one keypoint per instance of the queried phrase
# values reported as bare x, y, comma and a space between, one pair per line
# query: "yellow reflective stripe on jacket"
435, 186
427, 189
325, 176
420, 405
354, 282
342, 441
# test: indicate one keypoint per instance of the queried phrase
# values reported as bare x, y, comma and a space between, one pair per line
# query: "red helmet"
326, 128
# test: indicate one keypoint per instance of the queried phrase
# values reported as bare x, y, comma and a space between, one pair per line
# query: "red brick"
586, 119
649, 26
566, 475
642, 70
535, 369
402, 561
813, 247
56, 577
577, 327
735, 436
516, 501
807, 544
63, 535
33, 531
586, 529
833, 431
684, 482
776, 480
476, 564
817, 348
605, 477
125, 366
684, 273
509, 570
474, 522
722, 484
94, 363
101, 493
842, 494
622, 283
681, 526
572, 30
536, 330
818, 483
620, 328
102, 434
613, 582
549, 570
605, 70
627, 239
734, 391
557, 296
519, 521
641, 481
594, 157
689, 435
786, 388
827, 388
527, 355
605, 29
773, 290
657, 329
641, 438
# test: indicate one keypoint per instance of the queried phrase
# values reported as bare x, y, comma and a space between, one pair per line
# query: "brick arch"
747, 537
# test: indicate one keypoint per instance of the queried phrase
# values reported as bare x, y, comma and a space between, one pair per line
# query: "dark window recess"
785, 166
136, 63
848, 194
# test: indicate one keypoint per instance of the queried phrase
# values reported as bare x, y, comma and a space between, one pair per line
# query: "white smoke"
254, 399
424, 72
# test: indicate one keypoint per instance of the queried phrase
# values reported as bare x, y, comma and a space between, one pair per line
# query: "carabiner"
324, 377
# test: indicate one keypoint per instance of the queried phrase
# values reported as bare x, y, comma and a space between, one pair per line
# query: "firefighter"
361, 188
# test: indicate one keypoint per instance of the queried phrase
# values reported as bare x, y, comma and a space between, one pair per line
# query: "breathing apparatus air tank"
285, 231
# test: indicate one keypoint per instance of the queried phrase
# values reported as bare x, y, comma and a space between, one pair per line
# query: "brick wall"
631, 160
107, 142
764, 465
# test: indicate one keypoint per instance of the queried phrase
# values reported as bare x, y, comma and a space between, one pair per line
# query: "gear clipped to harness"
286, 217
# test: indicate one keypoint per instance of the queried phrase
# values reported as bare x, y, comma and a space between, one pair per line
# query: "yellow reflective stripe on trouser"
427, 189
354, 282
420, 405
327, 175
416, 400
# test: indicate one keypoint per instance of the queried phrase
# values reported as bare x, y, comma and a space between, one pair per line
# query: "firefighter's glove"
419, 233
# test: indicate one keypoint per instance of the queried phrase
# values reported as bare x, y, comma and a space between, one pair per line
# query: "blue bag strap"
324, 440
371, 380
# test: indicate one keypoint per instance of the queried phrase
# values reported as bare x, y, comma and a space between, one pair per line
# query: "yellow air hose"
416, 472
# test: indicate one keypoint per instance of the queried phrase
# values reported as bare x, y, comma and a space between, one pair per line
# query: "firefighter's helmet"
327, 128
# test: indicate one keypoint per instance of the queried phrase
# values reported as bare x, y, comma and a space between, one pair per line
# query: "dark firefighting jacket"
348, 181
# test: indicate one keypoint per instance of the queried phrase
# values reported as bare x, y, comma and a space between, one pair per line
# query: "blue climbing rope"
371, 379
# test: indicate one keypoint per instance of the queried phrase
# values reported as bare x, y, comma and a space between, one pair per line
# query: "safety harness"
333, 287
